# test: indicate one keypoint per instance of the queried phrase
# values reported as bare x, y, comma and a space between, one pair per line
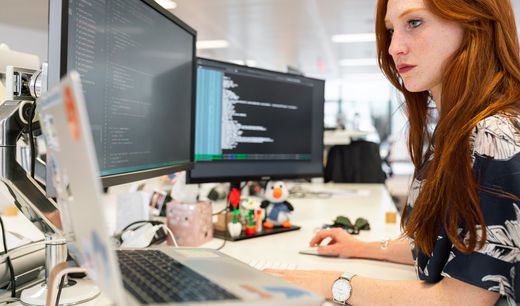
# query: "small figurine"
275, 204
234, 198
248, 205
250, 226
258, 218
234, 227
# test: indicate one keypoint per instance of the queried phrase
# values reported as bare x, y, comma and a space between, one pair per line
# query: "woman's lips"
405, 68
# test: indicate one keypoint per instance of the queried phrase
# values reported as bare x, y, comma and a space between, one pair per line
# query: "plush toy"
277, 209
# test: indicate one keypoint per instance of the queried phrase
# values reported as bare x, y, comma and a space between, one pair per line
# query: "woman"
462, 220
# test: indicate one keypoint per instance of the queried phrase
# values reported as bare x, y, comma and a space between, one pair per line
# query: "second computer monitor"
255, 124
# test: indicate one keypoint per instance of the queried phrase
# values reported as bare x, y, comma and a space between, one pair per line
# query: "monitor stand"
234, 196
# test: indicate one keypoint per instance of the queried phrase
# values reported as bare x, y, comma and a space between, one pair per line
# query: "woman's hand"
319, 282
341, 243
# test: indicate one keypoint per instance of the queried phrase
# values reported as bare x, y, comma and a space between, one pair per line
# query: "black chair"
357, 162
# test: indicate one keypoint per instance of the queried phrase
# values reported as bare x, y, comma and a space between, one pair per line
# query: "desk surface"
370, 201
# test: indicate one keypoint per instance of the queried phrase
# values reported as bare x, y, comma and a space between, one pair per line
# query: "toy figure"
234, 198
275, 204
235, 227
248, 205
250, 226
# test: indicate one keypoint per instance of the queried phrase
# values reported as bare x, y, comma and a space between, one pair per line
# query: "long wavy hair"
481, 79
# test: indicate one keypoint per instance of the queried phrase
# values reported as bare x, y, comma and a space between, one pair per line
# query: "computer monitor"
137, 66
256, 124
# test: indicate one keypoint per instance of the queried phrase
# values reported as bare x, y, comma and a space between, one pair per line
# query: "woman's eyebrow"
404, 13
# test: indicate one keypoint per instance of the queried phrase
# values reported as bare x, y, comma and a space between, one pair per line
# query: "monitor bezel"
58, 13
304, 175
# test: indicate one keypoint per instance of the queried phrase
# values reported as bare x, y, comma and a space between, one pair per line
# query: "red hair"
481, 79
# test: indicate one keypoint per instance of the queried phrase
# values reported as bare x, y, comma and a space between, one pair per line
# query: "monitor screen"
255, 124
137, 67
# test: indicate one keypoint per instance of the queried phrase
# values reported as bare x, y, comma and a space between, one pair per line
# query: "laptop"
162, 275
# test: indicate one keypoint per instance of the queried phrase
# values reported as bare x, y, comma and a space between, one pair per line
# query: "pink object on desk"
191, 223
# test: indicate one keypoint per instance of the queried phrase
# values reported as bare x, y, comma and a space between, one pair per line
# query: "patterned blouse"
495, 267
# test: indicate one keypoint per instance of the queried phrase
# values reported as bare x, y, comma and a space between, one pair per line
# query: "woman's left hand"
317, 281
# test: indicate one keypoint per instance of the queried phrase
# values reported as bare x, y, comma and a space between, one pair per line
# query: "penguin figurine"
277, 209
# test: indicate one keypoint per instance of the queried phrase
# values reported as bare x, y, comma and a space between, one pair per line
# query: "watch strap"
348, 276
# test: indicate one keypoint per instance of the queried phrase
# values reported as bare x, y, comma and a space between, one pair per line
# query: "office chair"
357, 162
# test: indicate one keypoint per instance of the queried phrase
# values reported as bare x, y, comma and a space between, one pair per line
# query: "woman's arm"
367, 291
343, 244
448, 291
397, 250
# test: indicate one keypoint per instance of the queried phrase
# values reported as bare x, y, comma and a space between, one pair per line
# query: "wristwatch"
342, 289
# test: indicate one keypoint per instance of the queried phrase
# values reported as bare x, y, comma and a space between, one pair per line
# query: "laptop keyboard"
151, 276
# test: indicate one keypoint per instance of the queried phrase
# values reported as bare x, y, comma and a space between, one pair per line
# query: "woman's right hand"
341, 244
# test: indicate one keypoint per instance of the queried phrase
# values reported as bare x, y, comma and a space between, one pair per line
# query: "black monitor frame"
58, 39
318, 172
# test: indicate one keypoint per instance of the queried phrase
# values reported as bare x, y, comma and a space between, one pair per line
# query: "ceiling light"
212, 44
358, 62
167, 4
353, 38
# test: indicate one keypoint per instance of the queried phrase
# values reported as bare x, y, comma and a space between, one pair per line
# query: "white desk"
371, 201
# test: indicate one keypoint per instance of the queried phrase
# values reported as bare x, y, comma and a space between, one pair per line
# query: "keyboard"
269, 264
152, 277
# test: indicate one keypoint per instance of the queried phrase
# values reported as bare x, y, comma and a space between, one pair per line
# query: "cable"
8, 260
9, 300
220, 211
12, 280
171, 235
139, 222
62, 281
31, 138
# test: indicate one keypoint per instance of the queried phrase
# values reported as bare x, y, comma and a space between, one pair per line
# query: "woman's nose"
398, 45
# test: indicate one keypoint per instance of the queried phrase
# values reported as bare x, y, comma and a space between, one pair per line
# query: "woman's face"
421, 44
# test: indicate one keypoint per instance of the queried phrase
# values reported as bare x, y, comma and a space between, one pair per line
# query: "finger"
323, 234
318, 237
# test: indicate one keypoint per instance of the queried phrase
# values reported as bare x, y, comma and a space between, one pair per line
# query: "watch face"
341, 290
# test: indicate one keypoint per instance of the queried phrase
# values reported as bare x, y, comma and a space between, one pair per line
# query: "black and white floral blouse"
495, 267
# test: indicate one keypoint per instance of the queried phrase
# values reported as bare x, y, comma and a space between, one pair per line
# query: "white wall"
25, 40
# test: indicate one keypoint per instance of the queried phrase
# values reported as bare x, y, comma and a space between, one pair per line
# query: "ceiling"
273, 33
278, 33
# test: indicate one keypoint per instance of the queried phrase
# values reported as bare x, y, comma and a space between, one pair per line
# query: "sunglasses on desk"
352, 228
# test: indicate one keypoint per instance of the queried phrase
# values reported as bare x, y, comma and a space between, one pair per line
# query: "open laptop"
187, 276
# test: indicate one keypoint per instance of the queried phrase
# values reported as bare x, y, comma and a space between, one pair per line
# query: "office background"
324, 39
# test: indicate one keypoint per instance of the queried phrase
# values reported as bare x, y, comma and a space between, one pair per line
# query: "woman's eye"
390, 32
414, 23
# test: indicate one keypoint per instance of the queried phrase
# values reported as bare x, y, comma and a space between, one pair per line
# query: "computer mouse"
313, 251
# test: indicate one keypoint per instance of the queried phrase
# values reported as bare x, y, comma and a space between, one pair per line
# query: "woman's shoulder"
497, 136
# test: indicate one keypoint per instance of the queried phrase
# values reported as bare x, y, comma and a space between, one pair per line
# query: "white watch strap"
348, 276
